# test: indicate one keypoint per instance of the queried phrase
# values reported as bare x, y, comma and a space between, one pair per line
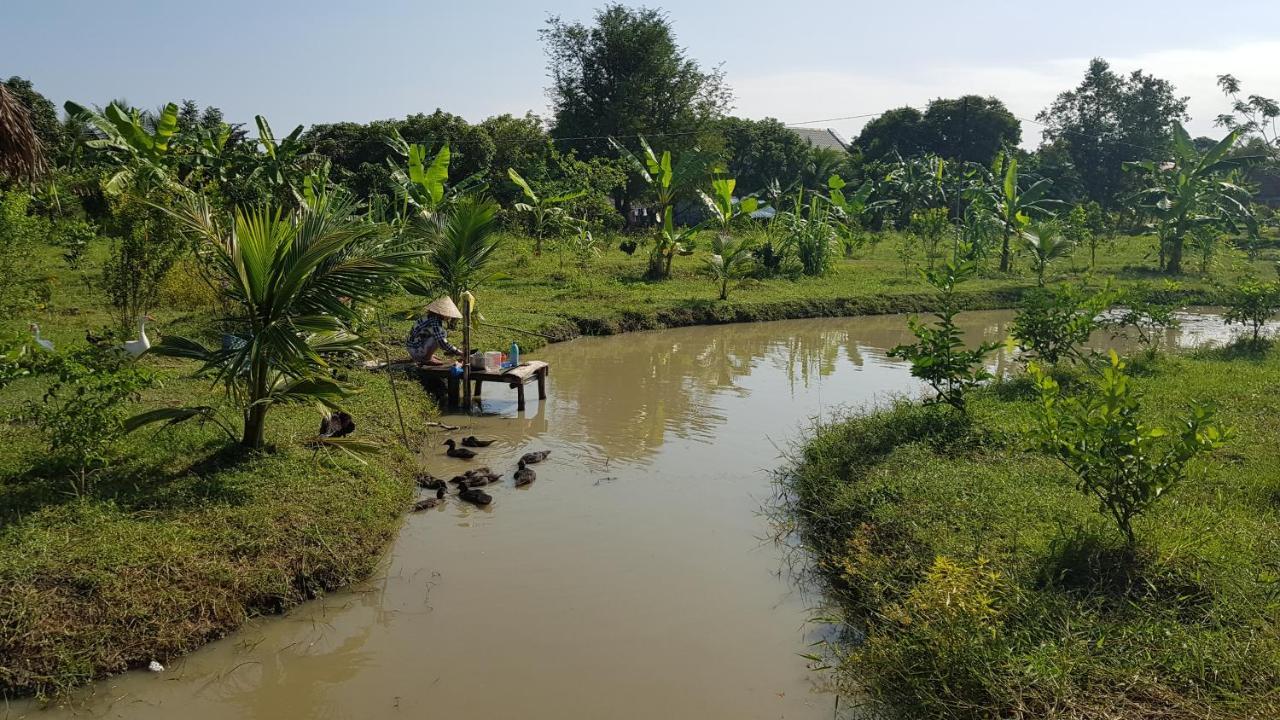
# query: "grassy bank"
975, 582
560, 297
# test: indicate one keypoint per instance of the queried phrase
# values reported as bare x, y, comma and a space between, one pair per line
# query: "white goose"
42, 342
143, 343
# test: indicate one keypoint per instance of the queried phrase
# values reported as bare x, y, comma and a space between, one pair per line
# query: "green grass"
558, 298
183, 539
975, 582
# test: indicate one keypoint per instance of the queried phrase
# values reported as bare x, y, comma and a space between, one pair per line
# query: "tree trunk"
255, 427
1173, 262
1004, 252
724, 288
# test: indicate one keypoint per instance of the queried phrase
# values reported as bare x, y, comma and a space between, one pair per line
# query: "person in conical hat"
430, 333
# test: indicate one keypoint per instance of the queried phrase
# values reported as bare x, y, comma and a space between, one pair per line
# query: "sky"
331, 60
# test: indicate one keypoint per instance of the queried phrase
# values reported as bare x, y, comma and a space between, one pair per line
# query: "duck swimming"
473, 441
466, 481
531, 458
525, 475
475, 496
428, 481
428, 503
456, 452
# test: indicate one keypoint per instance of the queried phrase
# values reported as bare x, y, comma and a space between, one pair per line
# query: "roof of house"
821, 137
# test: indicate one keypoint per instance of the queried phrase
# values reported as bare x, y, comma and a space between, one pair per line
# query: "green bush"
1116, 458
19, 234
82, 414
1252, 303
939, 356
145, 246
1053, 325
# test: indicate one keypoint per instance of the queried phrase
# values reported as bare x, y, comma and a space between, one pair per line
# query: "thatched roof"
21, 153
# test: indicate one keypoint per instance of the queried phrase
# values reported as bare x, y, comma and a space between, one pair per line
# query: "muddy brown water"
634, 579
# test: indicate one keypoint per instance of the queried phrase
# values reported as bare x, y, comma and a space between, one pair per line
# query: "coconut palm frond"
21, 152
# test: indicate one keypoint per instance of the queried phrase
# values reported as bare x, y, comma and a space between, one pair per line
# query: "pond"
636, 578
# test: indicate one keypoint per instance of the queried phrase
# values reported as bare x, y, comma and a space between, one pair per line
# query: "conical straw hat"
444, 307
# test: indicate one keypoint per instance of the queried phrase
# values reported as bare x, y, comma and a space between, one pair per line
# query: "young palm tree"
457, 246
296, 283
1046, 244
730, 259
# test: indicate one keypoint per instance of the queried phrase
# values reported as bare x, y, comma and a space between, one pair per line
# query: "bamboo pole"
466, 353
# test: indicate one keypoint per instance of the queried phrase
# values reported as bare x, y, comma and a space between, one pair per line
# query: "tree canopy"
625, 76
970, 128
1108, 120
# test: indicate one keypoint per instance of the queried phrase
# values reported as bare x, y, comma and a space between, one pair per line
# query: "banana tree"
422, 184
139, 146
296, 283
667, 179
544, 213
730, 256
1193, 192
1013, 206
855, 210
282, 163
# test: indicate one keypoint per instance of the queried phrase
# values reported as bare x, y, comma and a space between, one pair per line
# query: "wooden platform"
517, 378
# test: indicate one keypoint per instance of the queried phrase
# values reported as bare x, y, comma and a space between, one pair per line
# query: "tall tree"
1111, 119
895, 132
757, 152
625, 76
970, 128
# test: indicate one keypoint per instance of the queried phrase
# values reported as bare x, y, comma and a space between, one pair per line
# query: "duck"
533, 458
94, 340
428, 503
525, 475
42, 342
473, 441
475, 496
427, 481
456, 452
136, 347
339, 424
465, 481
484, 473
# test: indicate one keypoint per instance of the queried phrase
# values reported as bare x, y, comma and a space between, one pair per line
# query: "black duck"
456, 452
475, 496
473, 441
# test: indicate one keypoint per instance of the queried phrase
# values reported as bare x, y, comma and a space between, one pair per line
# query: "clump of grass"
975, 582
183, 541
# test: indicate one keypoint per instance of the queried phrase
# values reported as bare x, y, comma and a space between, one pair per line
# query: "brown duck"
473, 441
428, 503
427, 481
525, 475
456, 452
532, 458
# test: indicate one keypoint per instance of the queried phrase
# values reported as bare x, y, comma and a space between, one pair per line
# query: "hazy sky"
327, 60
